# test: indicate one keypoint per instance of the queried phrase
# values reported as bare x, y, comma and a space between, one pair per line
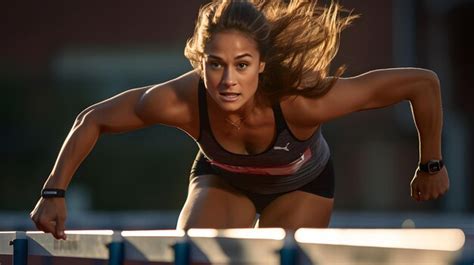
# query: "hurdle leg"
20, 249
116, 249
289, 251
182, 251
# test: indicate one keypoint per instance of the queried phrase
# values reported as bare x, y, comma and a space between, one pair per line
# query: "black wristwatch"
432, 167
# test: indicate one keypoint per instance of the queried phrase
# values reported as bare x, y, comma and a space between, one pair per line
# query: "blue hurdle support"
289, 251
20, 249
116, 249
182, 251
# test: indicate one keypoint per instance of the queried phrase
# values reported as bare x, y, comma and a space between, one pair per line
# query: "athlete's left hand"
426, 187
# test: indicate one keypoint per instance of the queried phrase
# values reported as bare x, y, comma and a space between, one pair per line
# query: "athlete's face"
231, 66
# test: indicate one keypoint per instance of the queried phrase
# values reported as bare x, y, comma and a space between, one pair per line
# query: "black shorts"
322, 185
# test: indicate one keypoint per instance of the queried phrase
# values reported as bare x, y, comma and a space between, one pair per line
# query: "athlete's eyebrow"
243, 55
212, 56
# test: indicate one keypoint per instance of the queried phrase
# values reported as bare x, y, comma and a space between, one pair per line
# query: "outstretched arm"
385, 87
114, 114
130, 110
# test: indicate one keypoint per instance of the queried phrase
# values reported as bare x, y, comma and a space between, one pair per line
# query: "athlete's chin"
228, 103
229, 106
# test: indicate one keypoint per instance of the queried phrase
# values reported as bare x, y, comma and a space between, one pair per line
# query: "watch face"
433, 166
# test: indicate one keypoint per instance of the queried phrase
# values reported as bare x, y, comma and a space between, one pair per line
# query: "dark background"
57, 58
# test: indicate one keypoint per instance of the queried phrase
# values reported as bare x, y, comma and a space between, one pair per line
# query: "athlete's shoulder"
178, 90
171, 102
307, 111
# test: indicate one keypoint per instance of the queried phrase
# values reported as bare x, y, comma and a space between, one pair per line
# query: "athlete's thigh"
212, 203
297, 209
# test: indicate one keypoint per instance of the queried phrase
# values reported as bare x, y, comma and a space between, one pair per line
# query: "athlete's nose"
228, 79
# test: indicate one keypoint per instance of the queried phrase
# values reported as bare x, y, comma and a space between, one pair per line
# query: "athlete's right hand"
49, 216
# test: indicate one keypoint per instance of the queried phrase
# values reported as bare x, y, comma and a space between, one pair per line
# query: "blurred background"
57, 58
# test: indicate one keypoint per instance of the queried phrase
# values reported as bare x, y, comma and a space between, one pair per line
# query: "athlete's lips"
229, 96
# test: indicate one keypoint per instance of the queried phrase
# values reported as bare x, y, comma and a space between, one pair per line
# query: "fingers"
425, 194
415, 192
428, 187
56, 228
59, 232
414, 195
46, 225
49, 220
40, 223
422, 194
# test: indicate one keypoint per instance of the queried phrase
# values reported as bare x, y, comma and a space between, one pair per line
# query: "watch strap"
53, 193
432, 166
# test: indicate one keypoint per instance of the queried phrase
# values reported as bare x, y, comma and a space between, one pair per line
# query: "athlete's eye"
242, 66
215, 65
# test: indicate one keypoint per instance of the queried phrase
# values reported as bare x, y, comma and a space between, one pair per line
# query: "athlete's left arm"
385, 87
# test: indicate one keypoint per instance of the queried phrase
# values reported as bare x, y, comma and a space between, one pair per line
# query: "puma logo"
285, 148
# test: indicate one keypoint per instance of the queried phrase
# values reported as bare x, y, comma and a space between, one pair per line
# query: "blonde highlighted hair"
297, 40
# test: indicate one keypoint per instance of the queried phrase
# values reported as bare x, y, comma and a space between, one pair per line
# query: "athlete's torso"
286, 164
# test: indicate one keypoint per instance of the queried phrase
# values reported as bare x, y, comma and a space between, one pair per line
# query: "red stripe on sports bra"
288, 169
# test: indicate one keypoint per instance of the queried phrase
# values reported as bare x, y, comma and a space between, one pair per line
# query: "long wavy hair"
296, 39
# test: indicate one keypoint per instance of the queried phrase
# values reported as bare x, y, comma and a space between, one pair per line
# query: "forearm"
114, 115
78, 144
428, 116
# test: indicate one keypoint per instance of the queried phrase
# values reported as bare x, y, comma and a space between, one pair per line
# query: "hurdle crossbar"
239, 246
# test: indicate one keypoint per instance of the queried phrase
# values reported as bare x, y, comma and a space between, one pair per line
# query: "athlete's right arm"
133, 109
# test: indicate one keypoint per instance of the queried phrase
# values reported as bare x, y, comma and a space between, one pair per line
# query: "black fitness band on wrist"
53, 193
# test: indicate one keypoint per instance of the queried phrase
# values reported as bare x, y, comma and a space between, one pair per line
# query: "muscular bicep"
140, 107
115, 114
371, 90
170, 103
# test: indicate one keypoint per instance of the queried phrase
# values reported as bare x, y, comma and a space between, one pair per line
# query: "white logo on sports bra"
282, 147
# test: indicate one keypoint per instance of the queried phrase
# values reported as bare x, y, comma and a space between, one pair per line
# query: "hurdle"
234, 246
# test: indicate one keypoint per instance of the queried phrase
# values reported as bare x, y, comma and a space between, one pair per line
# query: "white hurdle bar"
238, 246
